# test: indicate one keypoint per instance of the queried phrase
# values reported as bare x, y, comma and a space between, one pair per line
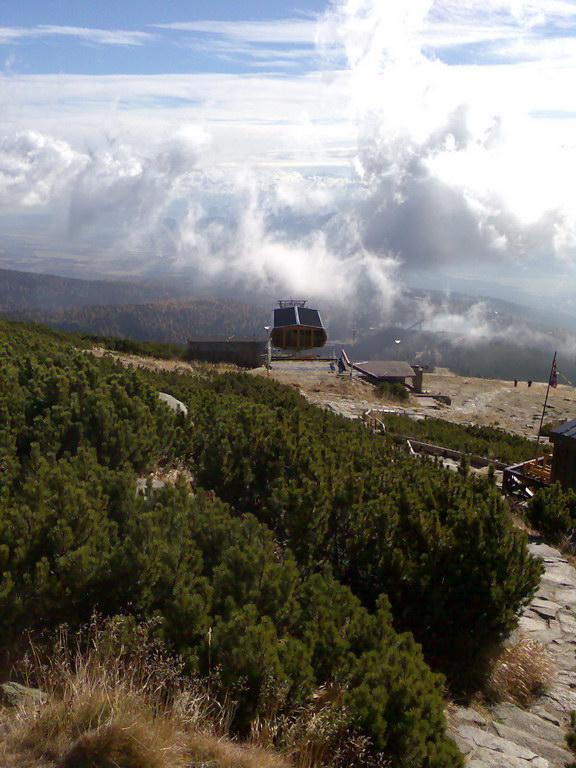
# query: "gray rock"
15, 695
567, 622
563, 658
532, 624
517, 718
545, 552
545, 714
142, 485
486, 759
548, 637
469, 716
566, 597
563, 575
545, 608
566, 678
560, 698
176, 405
476, 738
555, 754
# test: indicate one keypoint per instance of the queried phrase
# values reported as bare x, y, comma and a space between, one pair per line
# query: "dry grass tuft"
114, 746
315, 734
226, 754
521, 673
116, 700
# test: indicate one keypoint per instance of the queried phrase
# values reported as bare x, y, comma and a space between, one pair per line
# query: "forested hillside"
172, 321
305, 553
487, 356
27, 290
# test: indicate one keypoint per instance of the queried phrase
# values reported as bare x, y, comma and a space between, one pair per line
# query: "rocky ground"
500, 403
480, 401
506, 736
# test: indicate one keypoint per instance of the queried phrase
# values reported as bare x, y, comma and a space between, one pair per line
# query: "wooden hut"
563, 438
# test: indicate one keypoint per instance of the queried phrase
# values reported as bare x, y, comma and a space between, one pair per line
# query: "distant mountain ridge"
28, 290
172, 321
512, 344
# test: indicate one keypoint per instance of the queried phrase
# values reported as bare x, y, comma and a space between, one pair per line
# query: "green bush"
270, 573
490, 442
393, 390
552, 511
333, 493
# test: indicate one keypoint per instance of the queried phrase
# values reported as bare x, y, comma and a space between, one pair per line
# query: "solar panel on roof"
309, 317
296, 327
566, 430
284, 316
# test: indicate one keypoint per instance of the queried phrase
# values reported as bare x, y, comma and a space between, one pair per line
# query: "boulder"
16, 695
175, 405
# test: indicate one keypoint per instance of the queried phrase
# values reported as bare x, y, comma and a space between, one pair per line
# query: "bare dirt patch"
193, 368
492, 402
499, 403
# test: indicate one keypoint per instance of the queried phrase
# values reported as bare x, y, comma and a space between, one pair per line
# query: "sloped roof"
565, 430
384, 369
286, 316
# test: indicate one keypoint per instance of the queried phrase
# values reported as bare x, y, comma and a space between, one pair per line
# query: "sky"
344, 149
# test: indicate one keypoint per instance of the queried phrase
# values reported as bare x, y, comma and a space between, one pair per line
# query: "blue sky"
286, 143
49, 36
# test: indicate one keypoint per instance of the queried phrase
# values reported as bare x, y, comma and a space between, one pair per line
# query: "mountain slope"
172, 321
26, 290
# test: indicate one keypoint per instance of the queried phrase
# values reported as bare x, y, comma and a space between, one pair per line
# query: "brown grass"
113, 745
521, 673
115, 699
119, 707
318, 733
224, 753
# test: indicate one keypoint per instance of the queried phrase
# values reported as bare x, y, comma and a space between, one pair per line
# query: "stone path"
510, 737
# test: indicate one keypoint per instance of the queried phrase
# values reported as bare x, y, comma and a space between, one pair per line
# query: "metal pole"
552, 369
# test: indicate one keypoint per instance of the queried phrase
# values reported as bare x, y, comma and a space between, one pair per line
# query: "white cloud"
253, 119
35, 168
428, 126
278, 31
96, 36
455, 169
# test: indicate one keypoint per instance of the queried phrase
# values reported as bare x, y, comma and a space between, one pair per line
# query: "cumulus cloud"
35, 168
479, 322
251, 231
404, 154
456, 170
271, 232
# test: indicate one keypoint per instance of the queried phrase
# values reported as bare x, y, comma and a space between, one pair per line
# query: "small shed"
563, 438
392, 371
245, 353
296, 326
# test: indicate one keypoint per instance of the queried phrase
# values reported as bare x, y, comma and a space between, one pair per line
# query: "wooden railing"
539, 467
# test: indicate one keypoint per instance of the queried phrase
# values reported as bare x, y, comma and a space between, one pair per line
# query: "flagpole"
552, 371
